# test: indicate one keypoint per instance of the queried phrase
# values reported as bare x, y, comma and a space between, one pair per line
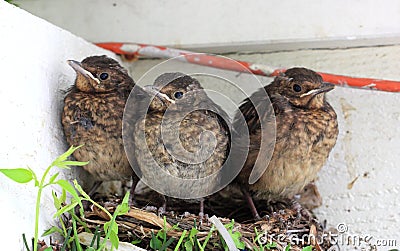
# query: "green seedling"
25, 175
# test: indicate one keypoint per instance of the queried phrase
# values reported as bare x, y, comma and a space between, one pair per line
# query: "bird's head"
100, 74
175, 91
301, 87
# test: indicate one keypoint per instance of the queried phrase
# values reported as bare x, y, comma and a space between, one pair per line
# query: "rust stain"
351, 184
347, 110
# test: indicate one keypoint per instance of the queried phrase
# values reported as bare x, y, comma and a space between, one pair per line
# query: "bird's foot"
201, 217
279, 215
302, 212
151, 209
162, 210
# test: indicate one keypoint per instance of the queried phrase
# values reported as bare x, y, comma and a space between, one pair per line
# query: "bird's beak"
325, 87
77, 66
154, 91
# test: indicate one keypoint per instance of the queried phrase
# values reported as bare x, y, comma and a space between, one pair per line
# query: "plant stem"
80, 222
37, 218
104, 242
100, 207
37, 210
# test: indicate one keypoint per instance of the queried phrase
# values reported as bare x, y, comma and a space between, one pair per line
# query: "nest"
281, 225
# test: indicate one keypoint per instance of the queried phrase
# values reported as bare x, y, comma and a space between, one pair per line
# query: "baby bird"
306, 131
92, 117
185, 134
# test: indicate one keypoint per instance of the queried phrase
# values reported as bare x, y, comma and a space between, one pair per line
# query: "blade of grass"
81, 222
78, 244
64, 246
94, 236
167, 243
208, 237
25, 242
180, 240
199, 244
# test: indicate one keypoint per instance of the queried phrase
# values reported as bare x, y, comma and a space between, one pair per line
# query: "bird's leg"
201, 211
135, 181
163, 207
250, 202
94, 188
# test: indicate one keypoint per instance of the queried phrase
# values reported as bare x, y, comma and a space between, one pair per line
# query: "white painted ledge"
34, 73
227, 25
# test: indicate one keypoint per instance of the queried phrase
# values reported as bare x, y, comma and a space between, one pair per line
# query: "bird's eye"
296, 88
103, 76
178, 95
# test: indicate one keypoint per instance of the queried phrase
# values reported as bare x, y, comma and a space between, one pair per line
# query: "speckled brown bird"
190, 112
306, 131
92, 117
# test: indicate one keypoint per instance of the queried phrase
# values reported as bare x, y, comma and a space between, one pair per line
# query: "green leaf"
287, 247
308, 248
235, 235
68, 163
63, 197
80, 189
52, 230
114, 239
230, 225
62, 162
193, 232
137, 241
34, 177
125, 200
236, 239
20, 175
188, 246
106, 226
155, 243
53, 178
56, 201
68, 153
48, 249
69, 188
66, 209
123, 208
113, 224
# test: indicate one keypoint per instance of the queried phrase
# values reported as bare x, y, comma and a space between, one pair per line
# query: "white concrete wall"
34, 72
368, 146
227, 25
33, 55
